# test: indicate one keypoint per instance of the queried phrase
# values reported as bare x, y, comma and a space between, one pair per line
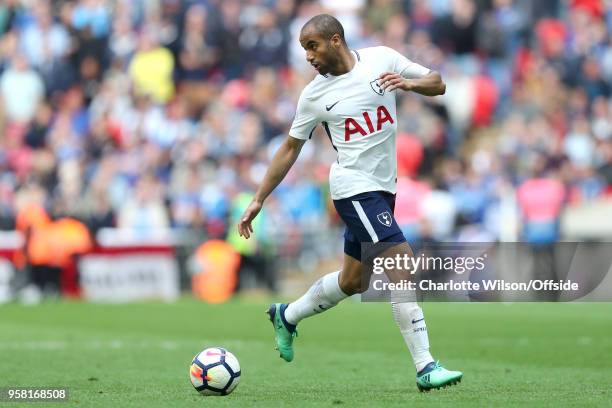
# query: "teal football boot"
284, 332
434, 376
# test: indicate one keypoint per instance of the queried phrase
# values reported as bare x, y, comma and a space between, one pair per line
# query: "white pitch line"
116, 344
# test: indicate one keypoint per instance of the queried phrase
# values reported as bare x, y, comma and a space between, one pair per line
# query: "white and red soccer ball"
215, 371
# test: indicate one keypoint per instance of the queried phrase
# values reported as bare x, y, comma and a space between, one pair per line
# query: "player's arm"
282, 161
430, 84
408, 75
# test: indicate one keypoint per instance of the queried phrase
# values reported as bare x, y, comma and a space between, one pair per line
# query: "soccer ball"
214, 371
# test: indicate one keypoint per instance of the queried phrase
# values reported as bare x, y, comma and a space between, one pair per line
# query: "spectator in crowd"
44, 41
151, 68
198, 52
541, 200
264, 43
92, 16
22, 90
145, 212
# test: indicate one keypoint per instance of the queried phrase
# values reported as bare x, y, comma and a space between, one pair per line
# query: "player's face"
322, 54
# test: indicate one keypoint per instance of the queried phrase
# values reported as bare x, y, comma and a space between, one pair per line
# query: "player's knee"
350, 284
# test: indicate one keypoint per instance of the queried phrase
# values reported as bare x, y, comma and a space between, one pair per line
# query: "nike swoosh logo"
416, 321
330, 107
320, 309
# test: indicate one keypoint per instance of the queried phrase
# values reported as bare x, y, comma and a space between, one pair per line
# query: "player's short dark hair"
326, 26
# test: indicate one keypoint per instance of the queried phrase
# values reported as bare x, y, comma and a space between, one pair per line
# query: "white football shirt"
360, 120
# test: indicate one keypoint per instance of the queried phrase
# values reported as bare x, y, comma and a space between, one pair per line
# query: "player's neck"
346, 63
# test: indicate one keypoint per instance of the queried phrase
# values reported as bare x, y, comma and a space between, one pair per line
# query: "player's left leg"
324, 294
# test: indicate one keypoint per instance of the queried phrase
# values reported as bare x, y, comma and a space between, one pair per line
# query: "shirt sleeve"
305, 120
403, 66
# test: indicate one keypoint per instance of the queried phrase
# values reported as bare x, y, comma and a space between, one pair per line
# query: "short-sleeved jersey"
360, 120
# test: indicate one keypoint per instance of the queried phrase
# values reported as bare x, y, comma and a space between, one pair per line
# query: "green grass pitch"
139, 354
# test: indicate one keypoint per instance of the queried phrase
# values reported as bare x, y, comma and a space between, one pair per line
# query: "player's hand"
245, 229
392, 80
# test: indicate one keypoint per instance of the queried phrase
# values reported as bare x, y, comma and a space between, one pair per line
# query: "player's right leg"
324, 294
409, 317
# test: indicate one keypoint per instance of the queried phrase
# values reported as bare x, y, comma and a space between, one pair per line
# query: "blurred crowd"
156, 114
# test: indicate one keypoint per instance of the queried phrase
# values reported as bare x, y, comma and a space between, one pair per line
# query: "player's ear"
335, 40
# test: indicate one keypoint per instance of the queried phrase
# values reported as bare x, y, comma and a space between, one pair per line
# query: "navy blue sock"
289, 326
429, 367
